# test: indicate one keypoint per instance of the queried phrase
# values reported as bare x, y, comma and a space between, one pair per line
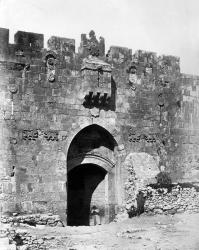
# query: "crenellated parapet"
48, 94
4, 41
29, 40
28, 47
91, 46
150, 62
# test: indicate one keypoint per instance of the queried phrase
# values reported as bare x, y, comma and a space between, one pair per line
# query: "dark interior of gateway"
82, 182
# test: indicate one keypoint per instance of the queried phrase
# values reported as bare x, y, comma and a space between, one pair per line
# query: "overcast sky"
163, 26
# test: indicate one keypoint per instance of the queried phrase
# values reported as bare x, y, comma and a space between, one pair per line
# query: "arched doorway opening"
82, 183
91, 176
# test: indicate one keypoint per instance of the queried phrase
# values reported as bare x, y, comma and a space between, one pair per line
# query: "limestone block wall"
8, 132
145, 103
184, 161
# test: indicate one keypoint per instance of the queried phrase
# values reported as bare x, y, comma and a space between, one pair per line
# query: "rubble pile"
160, 197
172, 200
23, 240
34, 219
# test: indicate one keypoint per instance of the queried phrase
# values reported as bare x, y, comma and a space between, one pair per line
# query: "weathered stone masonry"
63, 111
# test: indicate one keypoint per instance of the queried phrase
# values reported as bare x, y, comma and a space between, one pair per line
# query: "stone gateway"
83, 129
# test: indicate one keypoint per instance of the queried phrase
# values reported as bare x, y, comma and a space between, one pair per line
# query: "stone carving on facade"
29, 135
94, 112
161, 100
50, 63
91, 46
139, 137
132, 70
50, 135
163, 81
161, 103
164, 66
96, 100
32, 135
13, 88
99, 73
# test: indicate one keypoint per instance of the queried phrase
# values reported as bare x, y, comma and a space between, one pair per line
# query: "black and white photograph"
99, 125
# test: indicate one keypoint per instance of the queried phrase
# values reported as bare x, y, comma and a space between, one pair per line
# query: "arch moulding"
76, 130
91, 159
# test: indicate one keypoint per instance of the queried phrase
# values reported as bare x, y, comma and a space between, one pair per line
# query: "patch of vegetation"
163, 178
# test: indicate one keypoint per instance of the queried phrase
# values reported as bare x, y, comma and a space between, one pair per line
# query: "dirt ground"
159, 232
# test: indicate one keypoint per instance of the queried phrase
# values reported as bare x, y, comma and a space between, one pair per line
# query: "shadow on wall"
82, 182
102, 102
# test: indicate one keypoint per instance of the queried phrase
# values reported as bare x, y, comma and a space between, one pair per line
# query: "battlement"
29, 39
29, 45
151, 62
61, 44
4, 40
25, 43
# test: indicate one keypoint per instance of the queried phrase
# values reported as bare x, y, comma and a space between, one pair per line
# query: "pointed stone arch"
111, 130
91, 156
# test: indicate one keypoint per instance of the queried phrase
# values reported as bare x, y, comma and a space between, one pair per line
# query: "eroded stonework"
64, 113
